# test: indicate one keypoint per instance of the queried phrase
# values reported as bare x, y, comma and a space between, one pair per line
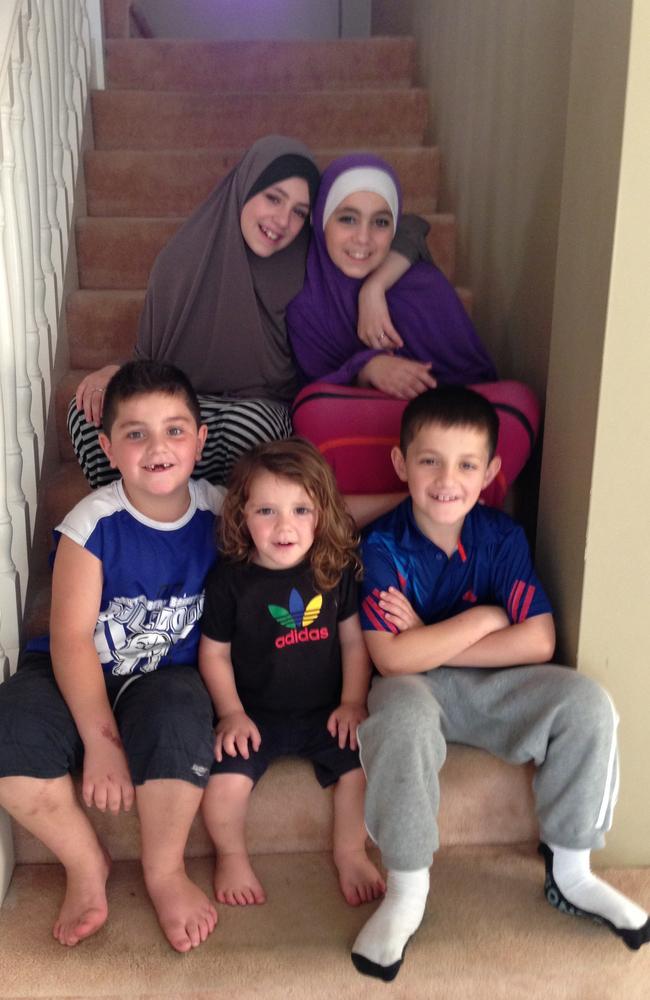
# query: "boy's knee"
229, 788
166, 728
176, 723
174, 698
38, 736
405, 703
590, 706
404, 724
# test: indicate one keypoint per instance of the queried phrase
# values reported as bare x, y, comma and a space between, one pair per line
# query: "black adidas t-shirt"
283, 634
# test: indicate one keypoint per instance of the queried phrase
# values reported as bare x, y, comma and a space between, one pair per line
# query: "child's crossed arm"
458, 642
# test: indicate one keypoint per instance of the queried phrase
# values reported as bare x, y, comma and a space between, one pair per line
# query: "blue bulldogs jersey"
154, 576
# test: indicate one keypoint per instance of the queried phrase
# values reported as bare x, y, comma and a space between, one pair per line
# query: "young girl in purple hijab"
355, 215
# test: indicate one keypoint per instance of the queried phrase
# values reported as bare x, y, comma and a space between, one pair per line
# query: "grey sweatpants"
561, 720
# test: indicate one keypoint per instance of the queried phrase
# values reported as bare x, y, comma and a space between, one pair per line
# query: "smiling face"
281, 519
272, 219
359, 232
155, 443
445, 468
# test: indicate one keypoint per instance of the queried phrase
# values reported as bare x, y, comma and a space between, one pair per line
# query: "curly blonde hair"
336, 539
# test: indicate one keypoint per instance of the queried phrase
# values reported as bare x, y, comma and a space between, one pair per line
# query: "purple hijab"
427, 313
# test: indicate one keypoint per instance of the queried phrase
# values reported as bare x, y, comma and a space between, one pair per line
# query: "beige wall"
597, 456
497, 75
595, 123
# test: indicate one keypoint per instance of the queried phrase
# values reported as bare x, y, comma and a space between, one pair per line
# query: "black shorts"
165, 719
295, 736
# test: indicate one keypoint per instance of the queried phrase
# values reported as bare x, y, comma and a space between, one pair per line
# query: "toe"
179, 939
194, 933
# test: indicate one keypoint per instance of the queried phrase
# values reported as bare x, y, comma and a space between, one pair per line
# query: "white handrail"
51, 55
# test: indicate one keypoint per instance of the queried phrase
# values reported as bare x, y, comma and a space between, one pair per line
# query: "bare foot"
360, 881
84, 908
235, 882
185, 914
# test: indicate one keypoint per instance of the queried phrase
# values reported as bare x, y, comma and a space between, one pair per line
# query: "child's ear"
200, 440
492, 471
399, 463
105, 445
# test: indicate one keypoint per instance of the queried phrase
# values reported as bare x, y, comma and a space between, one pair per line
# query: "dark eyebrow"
347, 208
285, 194
356, 211
182, 418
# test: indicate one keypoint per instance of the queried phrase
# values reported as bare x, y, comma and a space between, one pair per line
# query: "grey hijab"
214, 308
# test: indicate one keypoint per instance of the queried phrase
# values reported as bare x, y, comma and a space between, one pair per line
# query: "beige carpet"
488, 934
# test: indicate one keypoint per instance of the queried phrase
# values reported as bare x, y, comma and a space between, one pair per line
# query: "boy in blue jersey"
116, 688
450, 597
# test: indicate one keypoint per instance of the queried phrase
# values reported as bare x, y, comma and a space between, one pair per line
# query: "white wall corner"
7, 858
96, 22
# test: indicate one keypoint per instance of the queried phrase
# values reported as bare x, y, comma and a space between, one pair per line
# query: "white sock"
383, 938
577, 883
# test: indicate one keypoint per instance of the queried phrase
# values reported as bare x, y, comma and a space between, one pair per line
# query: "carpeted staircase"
175, 117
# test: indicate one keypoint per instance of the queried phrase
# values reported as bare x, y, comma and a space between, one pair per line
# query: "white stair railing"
50, 58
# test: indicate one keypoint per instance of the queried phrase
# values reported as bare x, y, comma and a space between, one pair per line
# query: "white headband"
362, 179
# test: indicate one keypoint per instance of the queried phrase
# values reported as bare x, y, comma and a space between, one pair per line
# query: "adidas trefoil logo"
298, 620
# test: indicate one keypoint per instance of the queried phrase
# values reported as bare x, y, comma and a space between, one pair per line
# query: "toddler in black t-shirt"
283, 657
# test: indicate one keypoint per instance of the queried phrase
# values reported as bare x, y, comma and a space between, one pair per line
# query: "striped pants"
234, 426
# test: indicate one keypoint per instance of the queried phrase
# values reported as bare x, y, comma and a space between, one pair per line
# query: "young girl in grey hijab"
215, 308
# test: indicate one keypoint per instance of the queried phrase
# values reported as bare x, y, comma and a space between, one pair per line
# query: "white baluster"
18, 244
92, 31
5, 665
45, 293
76, 89
62, 208
37, 328
83, 64
8, 328
67, 162
73, 131
51, 220
10, 615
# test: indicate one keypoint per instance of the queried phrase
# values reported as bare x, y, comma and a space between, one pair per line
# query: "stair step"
63, 488
119, 253
484, 801
285, 66
116, 18
171, 183
102, 327
488, 934
138, 119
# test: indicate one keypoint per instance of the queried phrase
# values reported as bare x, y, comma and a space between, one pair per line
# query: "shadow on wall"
229, 20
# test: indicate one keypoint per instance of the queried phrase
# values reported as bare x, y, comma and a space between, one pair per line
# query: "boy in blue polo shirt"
450, 597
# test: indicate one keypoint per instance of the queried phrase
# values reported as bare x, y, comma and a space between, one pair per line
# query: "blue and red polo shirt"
491, 565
